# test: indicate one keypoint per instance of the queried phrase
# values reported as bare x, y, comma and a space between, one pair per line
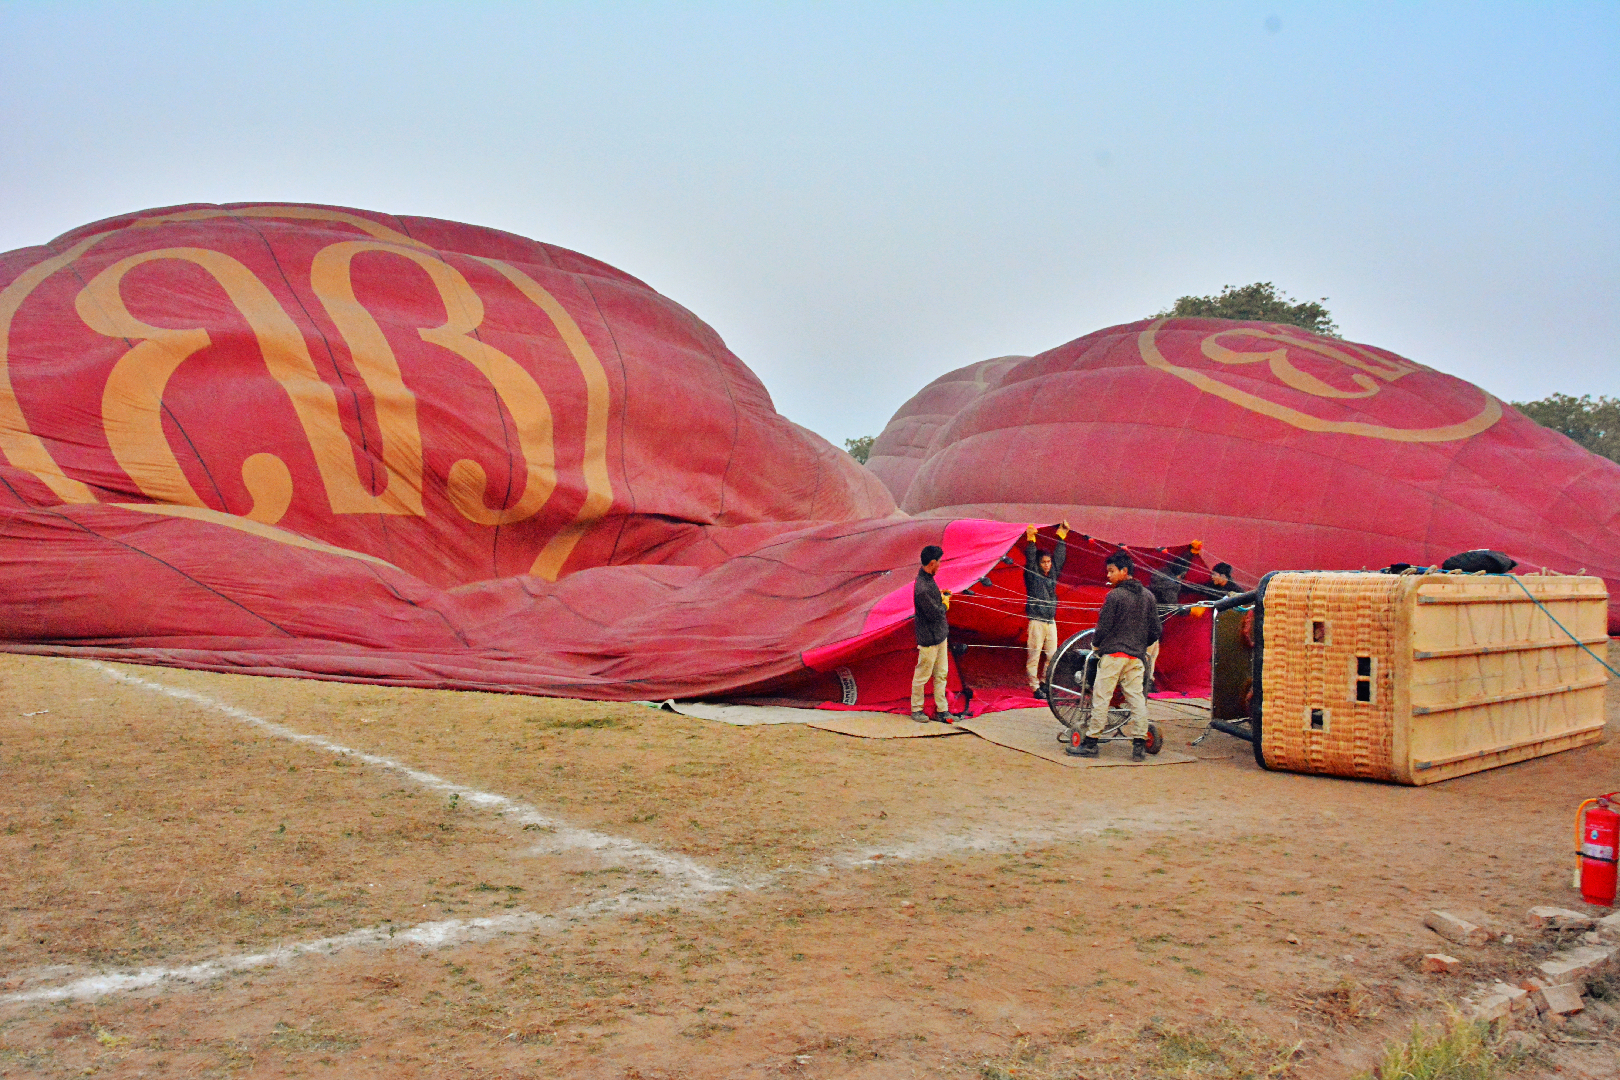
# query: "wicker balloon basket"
1419, 678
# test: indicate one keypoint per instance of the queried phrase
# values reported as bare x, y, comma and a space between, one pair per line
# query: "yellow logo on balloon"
1367, 372
132, 402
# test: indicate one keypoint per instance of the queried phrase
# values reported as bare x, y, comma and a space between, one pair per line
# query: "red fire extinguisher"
1597, 835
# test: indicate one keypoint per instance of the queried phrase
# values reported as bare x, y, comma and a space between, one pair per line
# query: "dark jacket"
1165, 588
930, 607
1128, 622
1042, 588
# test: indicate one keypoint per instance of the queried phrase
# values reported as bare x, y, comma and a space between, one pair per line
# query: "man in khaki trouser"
1041, 570
1126, 626
933, 650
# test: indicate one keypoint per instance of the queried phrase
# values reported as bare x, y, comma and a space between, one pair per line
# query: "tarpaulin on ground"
1279, 448
317, 441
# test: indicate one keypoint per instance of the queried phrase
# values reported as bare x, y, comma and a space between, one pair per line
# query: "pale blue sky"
859, 197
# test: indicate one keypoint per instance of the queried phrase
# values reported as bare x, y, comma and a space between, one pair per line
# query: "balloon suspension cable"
1561, 626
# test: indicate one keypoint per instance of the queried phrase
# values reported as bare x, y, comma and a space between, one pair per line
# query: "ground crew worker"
933, 653
1041, 570
1220, 583
1220, 577
1166, 586
1126, 626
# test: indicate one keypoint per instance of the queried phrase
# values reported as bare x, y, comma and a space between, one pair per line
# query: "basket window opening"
1317, 719
1319, 632
1363, 680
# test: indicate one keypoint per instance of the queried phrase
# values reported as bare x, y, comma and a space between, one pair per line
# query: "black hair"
1178, 566
1122, 559
932, 552
1222, 568
1042, 554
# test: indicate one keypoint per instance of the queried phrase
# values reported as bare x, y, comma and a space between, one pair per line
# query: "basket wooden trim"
1506, 747
1518, 695
1491, 650
1457, 598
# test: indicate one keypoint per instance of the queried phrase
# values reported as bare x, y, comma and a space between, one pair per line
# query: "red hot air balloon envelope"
1282, 449
314, 441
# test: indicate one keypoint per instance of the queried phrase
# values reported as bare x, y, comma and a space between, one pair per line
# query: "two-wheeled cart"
1070, 675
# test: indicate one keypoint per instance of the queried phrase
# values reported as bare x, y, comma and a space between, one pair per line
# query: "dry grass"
1014, 899
129, 842
1213, 1049
1344, 1005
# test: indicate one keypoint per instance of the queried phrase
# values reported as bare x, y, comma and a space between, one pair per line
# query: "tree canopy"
1595, 424
860, 449
1260, 302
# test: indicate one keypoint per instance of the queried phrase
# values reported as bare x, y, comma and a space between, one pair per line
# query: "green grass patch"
1458, 1049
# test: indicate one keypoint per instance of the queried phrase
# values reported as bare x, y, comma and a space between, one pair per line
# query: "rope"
1561, 626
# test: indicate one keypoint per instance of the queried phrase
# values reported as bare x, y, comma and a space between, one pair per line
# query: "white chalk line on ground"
692, 879
563, 836
422, 935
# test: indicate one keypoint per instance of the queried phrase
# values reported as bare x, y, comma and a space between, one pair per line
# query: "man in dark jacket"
1126, 626
1220, 580
1166, 586
1041, 570
933, 653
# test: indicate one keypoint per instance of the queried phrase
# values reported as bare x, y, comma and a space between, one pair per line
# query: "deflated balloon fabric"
1279, 448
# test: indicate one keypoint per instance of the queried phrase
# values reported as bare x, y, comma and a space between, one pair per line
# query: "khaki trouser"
1042, 639
933, 662
1125, 672
1147, 669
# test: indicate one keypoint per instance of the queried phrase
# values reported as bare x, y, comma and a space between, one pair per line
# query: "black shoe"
1039, 692
1138, 749
1087, 748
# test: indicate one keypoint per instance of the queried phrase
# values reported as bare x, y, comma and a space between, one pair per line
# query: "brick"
1557, 918
1518, 998
1494, 1007
1452, 928
1440, 963
1609, 925
1560, 1000
1577, 965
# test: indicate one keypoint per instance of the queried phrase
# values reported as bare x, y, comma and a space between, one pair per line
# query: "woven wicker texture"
1354, 614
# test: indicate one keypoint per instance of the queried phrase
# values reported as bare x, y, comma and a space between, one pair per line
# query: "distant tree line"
1594, 423
1260, 302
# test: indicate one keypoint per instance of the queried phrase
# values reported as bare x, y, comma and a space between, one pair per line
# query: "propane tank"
1599, 836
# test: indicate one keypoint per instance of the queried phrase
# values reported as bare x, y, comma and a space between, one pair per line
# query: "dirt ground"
492, 886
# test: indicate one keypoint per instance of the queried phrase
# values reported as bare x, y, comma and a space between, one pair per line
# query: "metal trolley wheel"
1069, 675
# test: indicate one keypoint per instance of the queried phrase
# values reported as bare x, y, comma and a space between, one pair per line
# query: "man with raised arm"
1041, 570
1126, 626
933, 653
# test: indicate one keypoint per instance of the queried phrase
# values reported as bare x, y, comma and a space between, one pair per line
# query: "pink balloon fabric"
1280, 449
